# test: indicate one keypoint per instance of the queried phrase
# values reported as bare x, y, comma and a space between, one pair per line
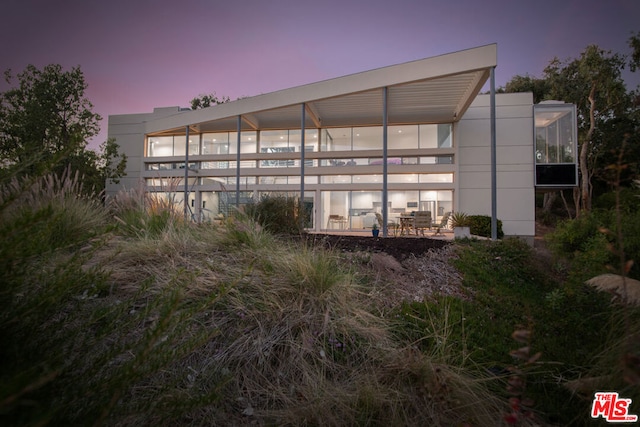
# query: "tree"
97, 167
539, 87
207, 100
634, 44
44, 119
593, 82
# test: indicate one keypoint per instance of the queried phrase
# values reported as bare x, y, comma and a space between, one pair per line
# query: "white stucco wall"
515, 163
129, 131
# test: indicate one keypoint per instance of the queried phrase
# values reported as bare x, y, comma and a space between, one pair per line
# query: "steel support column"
238, 162
385, 196
302, 150
494, 185
186, 174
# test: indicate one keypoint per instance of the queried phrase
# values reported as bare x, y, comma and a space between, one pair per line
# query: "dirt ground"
398, 247
406, 268
411, 268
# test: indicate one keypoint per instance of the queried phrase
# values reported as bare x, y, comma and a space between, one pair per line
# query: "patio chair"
444, 224
422, 221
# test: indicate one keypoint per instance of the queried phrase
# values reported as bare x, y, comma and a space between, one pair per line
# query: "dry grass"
291, 338
173, 323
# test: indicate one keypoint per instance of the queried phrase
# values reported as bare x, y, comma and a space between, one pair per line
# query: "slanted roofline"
432, 90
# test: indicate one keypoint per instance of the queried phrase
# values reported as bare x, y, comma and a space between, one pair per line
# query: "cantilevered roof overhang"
431, 90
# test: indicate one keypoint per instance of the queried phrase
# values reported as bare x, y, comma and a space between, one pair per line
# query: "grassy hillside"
129, 316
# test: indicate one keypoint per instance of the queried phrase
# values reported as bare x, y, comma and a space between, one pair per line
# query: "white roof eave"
441, 87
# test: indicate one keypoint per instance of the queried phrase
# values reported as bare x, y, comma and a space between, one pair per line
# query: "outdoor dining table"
406, 224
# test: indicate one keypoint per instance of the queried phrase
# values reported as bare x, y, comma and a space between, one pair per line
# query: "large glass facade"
344, 189
359, 210
398, 137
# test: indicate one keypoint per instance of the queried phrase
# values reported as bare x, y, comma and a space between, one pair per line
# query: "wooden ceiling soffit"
312, 113
250, 120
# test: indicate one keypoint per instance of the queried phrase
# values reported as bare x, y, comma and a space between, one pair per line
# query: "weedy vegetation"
127, 315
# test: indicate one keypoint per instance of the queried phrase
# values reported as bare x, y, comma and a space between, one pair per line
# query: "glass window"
360, 179
336, 139
169, 183
435, 136
194, 144
160, 166
335, 179
245, 164
311, 140
274, 141
272, 180
335, 209
179, 148
213, 180
436, 178
215, 165
244, 180
403, 178
555, 134
440, 160
367, 138
215, 143
439, 202
160, 146
402, 137
248, 142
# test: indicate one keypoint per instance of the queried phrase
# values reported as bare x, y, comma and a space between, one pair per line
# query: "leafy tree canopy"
207, 100
45, 117
608, 113
45, 124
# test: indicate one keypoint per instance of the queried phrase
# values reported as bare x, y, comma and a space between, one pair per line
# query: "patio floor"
431, 234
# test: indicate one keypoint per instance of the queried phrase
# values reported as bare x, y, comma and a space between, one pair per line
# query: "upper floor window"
555, 133
175, 145
555, 145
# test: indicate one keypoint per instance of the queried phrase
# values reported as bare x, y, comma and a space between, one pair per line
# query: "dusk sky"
141, 54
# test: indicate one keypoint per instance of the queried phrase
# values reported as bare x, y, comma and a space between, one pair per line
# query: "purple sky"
141, 54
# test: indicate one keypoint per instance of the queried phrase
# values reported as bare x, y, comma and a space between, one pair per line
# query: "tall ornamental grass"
175, 323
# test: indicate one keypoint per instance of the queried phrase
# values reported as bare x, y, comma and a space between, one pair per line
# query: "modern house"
411, 137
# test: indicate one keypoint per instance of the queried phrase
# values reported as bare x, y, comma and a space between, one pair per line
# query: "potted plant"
460, 224
374, 230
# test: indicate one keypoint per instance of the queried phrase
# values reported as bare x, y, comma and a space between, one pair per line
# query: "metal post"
186, 175
385, 196
238, 163
494, 203
302, 153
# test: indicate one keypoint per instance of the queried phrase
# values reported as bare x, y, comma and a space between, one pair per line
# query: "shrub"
587, 241
572, 235
279, 214
629, 200
480, 225
459, 219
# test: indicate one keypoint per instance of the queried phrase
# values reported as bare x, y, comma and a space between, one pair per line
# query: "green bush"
279, 214
572, 235
590, 239
629, 200
480, 225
